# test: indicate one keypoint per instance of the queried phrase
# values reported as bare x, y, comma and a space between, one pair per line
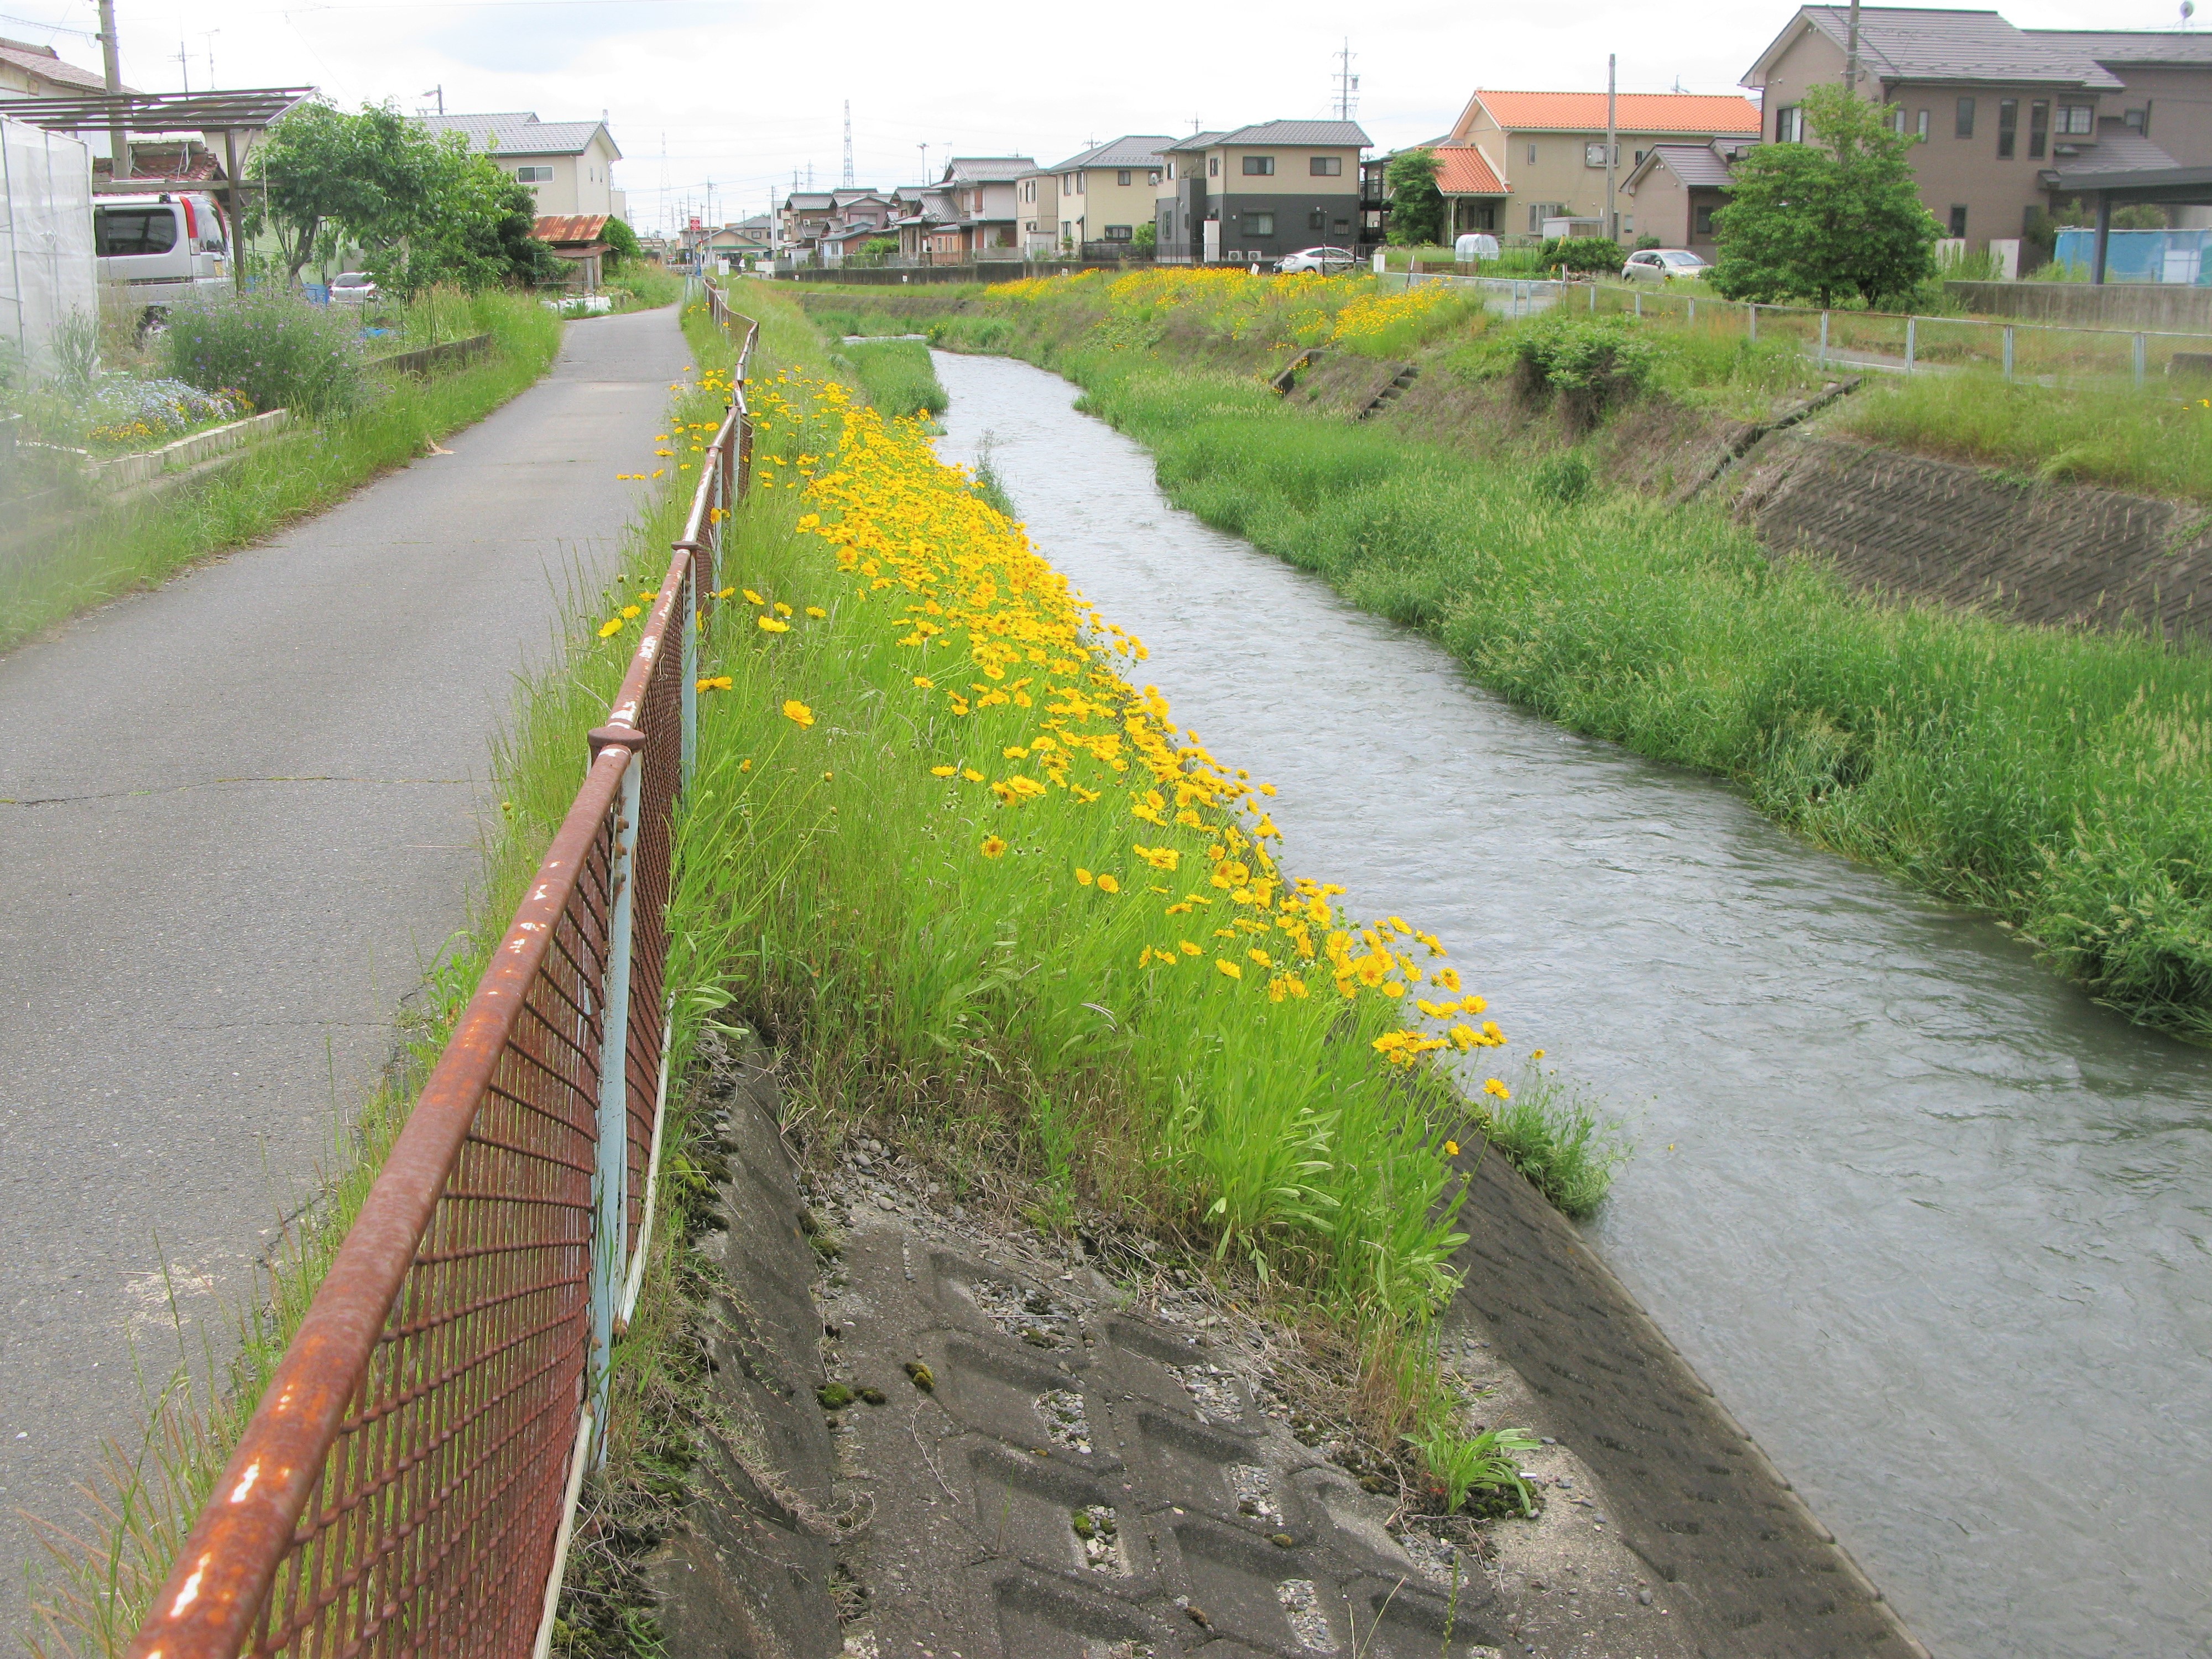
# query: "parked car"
159, 248
352, 287
1316, 262
1663, 265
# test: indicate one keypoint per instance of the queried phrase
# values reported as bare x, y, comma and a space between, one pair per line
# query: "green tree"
622, 244
1145, 239
1416, 206
1841, 214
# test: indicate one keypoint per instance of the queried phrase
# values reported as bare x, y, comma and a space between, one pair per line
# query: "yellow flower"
1107, 885
781, 609
1229, 969
631, 613
1082, 877
713, 682
770, 625
1451, 1149
1261, 957
753, 597
797, 713
610, 628
1448, 980
1190, 950
1393, 989
944, 771
926, 684
1536, 1054
1495, 1088
992, 847
971, 775
817, 612
747, 765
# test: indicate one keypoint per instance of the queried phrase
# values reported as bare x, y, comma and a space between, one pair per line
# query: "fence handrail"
223, 1582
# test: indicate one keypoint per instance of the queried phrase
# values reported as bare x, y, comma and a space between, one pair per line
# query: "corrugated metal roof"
2110, 47
517, 132
1900, 43
1130, 151
1461, 170
1634, 111
1299, 132
569, 226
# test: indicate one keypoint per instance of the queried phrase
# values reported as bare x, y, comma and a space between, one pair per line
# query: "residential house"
802, 219
569, 165
2165, 76
980, 188
1037, 202
1255, 193
862, 216
1675, 190
1541, 155
1105, 193
929, 229
739, 241
1995, 108
29, 71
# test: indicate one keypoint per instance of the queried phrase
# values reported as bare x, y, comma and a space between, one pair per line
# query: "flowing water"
1938, 1230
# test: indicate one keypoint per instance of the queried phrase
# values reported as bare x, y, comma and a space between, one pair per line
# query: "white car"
1663, 265
352, 288
159, 248
1316, 262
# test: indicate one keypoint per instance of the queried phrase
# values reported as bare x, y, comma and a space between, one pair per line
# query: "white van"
157, 249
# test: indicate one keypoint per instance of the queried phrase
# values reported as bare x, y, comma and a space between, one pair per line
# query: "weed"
897, 376
1459, 1464
1553, 1135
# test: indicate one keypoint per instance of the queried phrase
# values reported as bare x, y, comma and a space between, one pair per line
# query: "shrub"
279, 350
1587, 254
1593, 362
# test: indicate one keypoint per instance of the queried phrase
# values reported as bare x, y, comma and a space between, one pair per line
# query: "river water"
1936, 1229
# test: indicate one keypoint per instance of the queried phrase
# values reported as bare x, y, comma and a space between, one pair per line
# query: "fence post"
1823, 339
688, 688
1754, 321
1639, 297
1911, 341
1693, 307
610, 1162
1593, 304
2007, 351
2139, 359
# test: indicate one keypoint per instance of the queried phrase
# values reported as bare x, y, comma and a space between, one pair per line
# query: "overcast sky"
738, 96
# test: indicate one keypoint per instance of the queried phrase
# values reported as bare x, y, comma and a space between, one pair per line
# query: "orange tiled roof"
569, 226
1635, 112
1461, 171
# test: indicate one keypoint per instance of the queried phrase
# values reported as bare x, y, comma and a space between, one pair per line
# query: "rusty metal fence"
406, 1484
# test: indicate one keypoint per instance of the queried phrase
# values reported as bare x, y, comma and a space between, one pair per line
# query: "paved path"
237, 815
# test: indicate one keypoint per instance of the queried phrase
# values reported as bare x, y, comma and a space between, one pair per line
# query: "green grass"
99, 552
897, 374
2150, 442
640, 285
2055, 778
1553, 1134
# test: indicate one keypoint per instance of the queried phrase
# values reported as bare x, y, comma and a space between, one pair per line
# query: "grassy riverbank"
96, 551
2053, 778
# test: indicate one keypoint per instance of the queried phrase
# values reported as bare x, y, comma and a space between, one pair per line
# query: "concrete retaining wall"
2159, 305
126, 472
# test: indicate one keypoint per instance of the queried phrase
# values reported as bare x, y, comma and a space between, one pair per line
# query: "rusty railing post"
688, 687
611, 1160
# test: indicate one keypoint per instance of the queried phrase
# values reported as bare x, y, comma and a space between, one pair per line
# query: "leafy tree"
1145, 239
1416, 206
1839, 215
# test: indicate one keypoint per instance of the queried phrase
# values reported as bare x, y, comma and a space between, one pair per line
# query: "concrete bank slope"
238, 815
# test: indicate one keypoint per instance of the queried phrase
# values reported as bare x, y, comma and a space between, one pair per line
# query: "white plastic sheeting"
46, 271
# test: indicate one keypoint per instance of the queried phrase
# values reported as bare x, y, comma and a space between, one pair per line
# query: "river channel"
1938, 1229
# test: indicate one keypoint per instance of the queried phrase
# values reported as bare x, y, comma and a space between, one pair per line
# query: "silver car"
352, 287
1663, 265
1316, 262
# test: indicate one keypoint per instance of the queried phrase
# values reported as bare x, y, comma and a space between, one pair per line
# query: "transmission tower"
848, 143
1347, 85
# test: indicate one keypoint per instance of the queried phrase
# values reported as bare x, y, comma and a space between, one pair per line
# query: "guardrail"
407, 1482
1899, 342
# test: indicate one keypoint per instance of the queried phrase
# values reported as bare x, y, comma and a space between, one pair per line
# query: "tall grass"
897, 374
99, 551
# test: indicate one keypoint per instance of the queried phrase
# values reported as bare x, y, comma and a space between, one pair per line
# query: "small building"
1253, 194
980, 190
1474, 196
1036, 203
1675, 190
1104, 193
569, 165
579, 239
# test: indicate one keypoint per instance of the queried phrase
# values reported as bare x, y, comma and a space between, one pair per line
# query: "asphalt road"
237, 816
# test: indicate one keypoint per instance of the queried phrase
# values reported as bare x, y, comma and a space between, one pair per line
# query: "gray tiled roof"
987, 169
2117, 151
58, 70
1130, 151
1898, 43
2110, 47
516, 132
1693, 164
1196, 141
1299, 132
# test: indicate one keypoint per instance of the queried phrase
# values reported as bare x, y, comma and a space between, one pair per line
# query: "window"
1790, 124
1964, 126
1259, 167
2007, 126
1154, 177
1325, 166
119, 232
1532, 156
2137, 120
1120, 177
2077, 120
1922, 129
534, 175
1120, 234
1701, 223
1593, 154
1896, 119
1639, 158
2039, 129
1317, 219
1214, 167
1171, 172
1259, 224
1957, 223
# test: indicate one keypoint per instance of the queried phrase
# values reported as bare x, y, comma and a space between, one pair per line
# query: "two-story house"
980, 191
1993, 105
1104, 193
1258, 192
1037, 201
2165, 77
569, 165
1514, 160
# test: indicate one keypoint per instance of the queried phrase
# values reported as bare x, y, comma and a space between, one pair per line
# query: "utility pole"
110, 55
925, 161
848, 143
437, 92
1612, 145
1852, 53
1347, 83
184, 66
